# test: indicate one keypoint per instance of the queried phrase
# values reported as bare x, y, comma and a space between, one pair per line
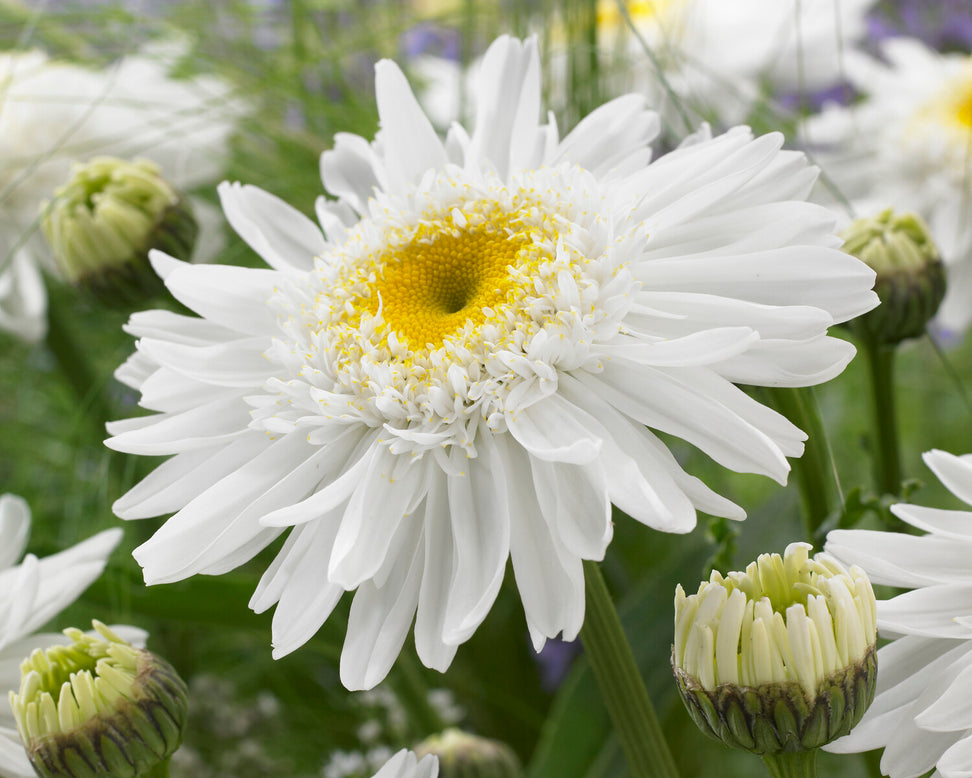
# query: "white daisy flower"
406, 765
921, 714
908, 145
462, 371
55, 113
31, 593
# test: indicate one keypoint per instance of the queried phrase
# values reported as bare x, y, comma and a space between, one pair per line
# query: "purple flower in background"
945, 25
555, 661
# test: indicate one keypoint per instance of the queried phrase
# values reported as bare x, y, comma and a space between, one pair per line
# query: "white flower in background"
462, 371
908, 145
719, 58
921, 714
54, 113
31, 593
405, 765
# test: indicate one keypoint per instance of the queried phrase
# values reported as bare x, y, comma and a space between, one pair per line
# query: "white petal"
410, 143
380, 616
222, 525
13, 757
282, 235
640, 481
941, 522
952, 710
680, 403
896, 559
391, 488
480, 509
508, 105
574, 501
238, 364
555, 430
932, 611
440, 567
209, 424
955, 472
307, 598
234, 297
549, 578
14, 528
787, 363
184, 477
956, 762
63, 576
699, 348
609, 135
791, 275
349, 171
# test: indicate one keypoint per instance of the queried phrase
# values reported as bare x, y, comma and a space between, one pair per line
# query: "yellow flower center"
431, 287
949, 109
963, 112
609, 15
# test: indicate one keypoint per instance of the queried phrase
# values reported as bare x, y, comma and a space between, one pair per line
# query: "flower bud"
103, 222
462, 755
98, 706
781, 657
910, 275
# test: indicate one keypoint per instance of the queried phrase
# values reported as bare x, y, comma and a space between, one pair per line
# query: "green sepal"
779, 718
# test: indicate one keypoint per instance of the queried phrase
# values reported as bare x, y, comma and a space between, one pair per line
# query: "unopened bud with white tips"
99, 706
781, 657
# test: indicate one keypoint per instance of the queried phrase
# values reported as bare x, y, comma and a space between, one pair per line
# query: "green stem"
69, 355
880, 362
621, 686
414, 695
814, 472
802, 764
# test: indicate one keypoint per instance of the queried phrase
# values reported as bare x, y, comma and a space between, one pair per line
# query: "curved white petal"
411, 147
282, 235
14, 528
381, 615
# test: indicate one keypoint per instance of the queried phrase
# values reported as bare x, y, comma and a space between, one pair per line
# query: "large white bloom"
54, 113
908, 145
461, 372
721, 57
921, 713
31, 593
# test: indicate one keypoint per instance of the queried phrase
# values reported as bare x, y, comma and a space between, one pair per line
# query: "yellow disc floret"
452, 306
430, 288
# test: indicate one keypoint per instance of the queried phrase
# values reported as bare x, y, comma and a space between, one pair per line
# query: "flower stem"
69, 355
802, 764
814, 471
880, 362
621, 686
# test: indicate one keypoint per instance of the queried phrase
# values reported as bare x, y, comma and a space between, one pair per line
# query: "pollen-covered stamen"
458, 304
446, 277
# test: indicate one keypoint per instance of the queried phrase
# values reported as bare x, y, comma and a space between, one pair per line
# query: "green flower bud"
103, 222
462, 755
910, 275
781, 657
98, 707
